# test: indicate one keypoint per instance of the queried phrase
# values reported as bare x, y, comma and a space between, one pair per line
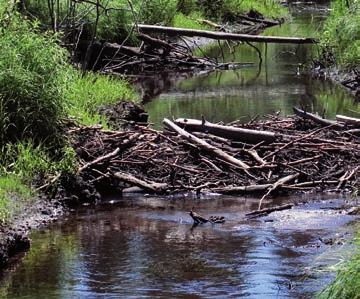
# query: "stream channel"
141, 246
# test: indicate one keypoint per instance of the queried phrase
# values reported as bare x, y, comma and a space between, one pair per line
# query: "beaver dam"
301, 153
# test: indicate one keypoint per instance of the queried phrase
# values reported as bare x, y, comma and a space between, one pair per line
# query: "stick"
100, 159
267, 211
205, 146
149, 186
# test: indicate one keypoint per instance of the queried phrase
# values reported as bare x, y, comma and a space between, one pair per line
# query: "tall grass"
347, 282
341, 33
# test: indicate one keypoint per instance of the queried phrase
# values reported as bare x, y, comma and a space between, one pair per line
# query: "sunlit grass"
191, 21
347, 282
341, 33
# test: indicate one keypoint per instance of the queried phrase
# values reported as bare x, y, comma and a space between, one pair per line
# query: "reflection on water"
278, 84
147, 248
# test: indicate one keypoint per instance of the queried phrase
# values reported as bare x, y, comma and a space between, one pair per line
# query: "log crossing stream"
140, 246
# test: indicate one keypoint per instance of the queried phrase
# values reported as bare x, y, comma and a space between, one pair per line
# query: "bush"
32, 83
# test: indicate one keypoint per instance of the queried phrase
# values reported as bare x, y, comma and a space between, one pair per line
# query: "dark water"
278, 84
147, 248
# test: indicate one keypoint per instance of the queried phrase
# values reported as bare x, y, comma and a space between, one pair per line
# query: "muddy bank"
349, 79
14, 236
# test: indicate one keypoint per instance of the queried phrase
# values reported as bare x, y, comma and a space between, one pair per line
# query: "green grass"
89, 92
190, 21
347, 282
341, 33
13, 196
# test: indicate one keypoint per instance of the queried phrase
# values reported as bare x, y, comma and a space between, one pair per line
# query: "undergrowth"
347, 282
340, 36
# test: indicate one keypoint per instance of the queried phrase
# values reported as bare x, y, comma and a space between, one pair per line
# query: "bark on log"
149, 186
100, 159
174, 31
348, 120
205, 146
317, 119
234, 133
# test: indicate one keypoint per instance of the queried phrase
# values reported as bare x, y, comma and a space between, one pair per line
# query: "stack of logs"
303, 152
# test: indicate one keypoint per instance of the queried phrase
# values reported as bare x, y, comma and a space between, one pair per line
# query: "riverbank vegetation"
347, 282
340, 38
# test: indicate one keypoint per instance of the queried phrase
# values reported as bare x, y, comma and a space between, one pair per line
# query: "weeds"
347, 282
341, 33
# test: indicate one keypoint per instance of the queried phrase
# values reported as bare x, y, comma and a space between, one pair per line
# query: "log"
267, 211
242, 189
159, 188
348, 120
174, 31
205, 146
229, 132
317, 119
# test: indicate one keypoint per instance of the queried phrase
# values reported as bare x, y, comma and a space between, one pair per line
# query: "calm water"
278, 84
147, 248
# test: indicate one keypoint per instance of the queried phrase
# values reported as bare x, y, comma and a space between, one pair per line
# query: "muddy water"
147, 248
277, 84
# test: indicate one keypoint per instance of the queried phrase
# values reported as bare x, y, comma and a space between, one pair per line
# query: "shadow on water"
278, 84
148, 248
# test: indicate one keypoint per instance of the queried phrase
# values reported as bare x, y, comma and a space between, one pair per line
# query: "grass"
13, 196
340, 36
190, 21
347, 282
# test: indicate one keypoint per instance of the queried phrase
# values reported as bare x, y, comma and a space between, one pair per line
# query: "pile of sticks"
262, 157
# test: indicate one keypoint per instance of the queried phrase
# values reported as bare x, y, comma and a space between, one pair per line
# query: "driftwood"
197, 217
205, 146
172, 161
130, 179
173, 31
348, 120
317, 119
267, 211
230, 132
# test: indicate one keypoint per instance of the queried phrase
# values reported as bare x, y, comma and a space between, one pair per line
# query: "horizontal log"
174, 31
348, 120
159, 188
315, 118
230, 132
267, 211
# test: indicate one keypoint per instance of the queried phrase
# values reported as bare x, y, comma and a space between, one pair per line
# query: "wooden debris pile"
264, 157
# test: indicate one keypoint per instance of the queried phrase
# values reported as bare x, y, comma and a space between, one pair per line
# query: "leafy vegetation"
347, 282
341, 34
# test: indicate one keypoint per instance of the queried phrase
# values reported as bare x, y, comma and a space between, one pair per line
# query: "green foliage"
190, 21
347, 282
89, 92
13, 193
225, 9
341, 33
31, 83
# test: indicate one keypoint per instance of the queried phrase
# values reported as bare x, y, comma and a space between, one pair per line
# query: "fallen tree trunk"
234, 133
174, 31
317, 119
242, 189
204, 145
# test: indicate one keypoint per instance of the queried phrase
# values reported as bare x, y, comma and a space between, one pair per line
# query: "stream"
140, 246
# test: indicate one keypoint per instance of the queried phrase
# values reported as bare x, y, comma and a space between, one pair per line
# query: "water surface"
147, 248
280, 82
